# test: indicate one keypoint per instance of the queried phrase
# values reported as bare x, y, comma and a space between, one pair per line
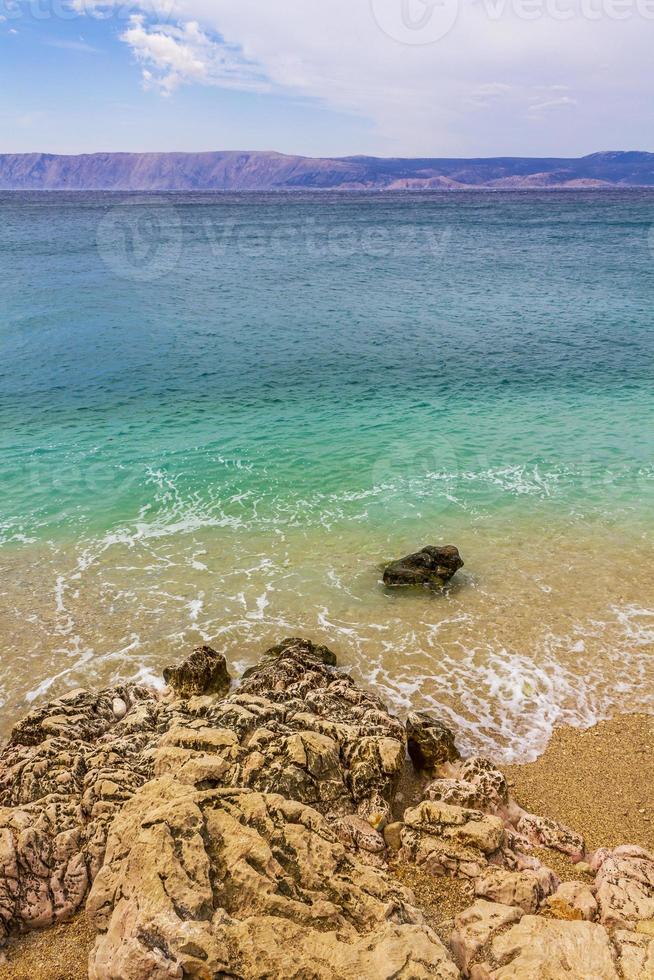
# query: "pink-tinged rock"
542, 832
635, 955
526, 890
573, 900
625, 887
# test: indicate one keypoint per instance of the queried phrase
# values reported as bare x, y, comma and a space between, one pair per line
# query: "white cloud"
172, 55
470, 90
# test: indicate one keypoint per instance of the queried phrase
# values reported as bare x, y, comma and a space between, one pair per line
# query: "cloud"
472, 88
173, 55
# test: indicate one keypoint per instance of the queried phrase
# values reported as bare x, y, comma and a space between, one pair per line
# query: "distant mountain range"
259, 171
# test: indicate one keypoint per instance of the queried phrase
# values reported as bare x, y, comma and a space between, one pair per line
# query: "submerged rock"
432, 567
204, 672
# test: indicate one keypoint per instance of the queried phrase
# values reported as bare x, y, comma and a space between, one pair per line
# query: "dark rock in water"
205, 672
293, 648
432, 567
430, 742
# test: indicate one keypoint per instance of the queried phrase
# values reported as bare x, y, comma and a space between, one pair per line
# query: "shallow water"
221, 414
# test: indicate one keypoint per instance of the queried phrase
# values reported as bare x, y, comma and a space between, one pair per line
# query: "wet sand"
545, 625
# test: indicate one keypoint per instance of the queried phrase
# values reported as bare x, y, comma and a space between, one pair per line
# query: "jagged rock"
475, 926
526, 890
573, 900
635, 955
314, 737
542, 832
76, 716
204, 672
205, 883
449, 839
248, 837
479, 785
546, 949
72, 765
432, 567
68, 768
296, 653
430, 742
625, 886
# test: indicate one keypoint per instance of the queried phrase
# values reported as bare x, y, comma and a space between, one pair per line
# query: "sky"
328, 77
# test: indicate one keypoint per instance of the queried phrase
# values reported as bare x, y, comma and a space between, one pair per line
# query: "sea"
222, 414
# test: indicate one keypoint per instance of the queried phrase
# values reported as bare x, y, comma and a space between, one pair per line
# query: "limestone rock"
204, 672
635, 955
573, 900
205, 883
68, 768
542, 832
475, 926
296, 726
448, 839
625, 887
478, 784
430, 742
526, 890
546, 949
432, 567
295, 650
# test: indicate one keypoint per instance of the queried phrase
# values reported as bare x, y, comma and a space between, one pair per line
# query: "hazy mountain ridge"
268, 171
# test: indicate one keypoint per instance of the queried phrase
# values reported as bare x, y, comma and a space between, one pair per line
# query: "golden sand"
600, 782
60, 953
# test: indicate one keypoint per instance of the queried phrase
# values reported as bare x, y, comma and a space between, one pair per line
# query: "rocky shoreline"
258, 830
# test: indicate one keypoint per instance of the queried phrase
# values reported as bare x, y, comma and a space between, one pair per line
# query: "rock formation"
255, 834
431, 568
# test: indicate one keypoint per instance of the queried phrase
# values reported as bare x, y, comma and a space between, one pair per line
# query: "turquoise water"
354, 374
